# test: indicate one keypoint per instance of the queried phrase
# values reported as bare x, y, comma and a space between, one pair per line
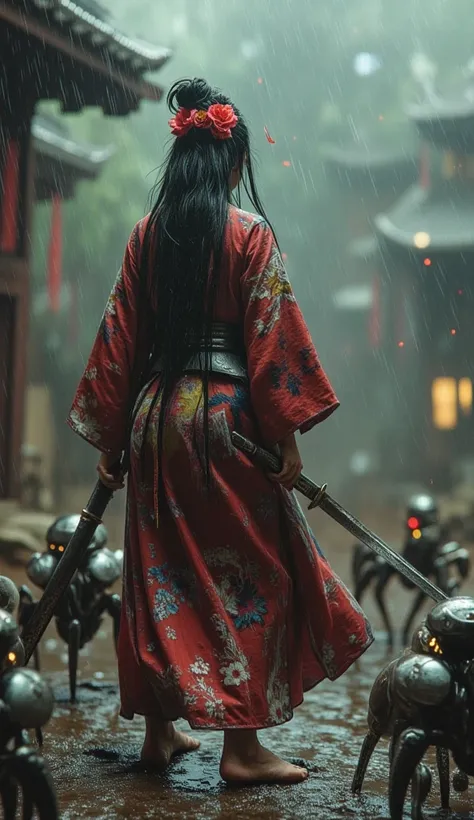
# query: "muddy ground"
93, 754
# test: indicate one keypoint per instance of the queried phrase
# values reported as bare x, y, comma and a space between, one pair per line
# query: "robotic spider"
424, 698
448, 564
79, 613
26, 702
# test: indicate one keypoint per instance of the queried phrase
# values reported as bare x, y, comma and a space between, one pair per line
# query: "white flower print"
200, 667
234, 674
271, 284
171, 633
228, 596
83, 422
279, 704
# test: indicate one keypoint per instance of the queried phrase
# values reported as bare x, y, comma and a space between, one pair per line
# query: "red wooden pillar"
16, 192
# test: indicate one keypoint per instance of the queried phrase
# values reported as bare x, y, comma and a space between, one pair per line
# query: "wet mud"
94, 755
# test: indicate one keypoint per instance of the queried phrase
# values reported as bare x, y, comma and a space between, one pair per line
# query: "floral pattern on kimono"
231, 611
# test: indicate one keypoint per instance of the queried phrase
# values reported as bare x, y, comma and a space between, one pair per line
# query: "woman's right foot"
259, 766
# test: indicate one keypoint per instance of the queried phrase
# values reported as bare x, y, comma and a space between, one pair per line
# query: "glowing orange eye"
52, 546
11, 657
61, 549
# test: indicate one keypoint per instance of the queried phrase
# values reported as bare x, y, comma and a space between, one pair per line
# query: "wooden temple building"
427, 241
369, 174
50, 50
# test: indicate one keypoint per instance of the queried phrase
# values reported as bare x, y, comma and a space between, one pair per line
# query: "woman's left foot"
164, 744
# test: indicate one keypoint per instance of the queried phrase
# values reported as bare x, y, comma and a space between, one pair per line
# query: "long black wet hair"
183, 242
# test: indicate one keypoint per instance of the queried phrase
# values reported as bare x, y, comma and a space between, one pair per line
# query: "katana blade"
320, 498
72, 557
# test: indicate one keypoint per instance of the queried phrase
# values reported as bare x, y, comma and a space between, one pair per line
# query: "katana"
73, 555
320, 498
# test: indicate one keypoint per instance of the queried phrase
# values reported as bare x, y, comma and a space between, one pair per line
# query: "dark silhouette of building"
50, 50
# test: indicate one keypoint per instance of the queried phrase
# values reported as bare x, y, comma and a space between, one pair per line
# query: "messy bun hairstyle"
183, 242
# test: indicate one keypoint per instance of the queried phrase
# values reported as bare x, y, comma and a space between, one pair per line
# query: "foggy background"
312, 73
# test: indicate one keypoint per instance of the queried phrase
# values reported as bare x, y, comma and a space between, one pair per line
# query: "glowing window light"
444, 397
449, 165
421, 239
465, 395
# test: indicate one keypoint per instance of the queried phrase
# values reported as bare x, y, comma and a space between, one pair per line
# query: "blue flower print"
251, 607
165, 605
160, 574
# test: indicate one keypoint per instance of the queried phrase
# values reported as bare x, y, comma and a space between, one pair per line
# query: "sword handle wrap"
271, 463
319, 497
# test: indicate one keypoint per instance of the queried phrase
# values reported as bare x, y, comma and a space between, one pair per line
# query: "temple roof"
354, 298
447, 122
370, 156
71, 51
89, 21
62, 161
443, 219
51, 139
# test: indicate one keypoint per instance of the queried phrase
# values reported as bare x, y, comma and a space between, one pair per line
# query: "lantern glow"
444, 399
465, 395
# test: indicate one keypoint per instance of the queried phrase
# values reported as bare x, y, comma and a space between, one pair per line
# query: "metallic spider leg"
420, 789
74, 641
9, 795
442, 762
416, 606
28, 805
34, 779
410, 749
26, 608
370, 741
460, 781
379, 597
363, 581
113, 605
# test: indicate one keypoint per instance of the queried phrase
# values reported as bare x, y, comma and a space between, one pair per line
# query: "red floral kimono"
230, 610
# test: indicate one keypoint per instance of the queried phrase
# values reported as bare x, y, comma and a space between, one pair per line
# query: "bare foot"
158, 749
261, 766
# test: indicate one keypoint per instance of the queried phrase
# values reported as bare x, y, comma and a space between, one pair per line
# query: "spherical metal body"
8, 633
9, 595
61, 531
423, 680
41, 567
28, 696
424, 509
104, 567
452, 623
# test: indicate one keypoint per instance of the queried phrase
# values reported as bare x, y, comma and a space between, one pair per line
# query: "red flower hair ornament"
218, 119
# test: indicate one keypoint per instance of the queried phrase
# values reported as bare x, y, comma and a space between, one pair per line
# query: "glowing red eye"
413, 523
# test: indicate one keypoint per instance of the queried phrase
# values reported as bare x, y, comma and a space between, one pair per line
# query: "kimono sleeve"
101, 407
289, 389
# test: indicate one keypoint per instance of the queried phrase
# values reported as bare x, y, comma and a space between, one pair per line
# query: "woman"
230, 610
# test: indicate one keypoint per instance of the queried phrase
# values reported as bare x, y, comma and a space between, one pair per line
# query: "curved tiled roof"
446, 215
51, 139
93, 29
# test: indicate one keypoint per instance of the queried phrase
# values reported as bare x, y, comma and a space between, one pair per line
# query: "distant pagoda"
427, 240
